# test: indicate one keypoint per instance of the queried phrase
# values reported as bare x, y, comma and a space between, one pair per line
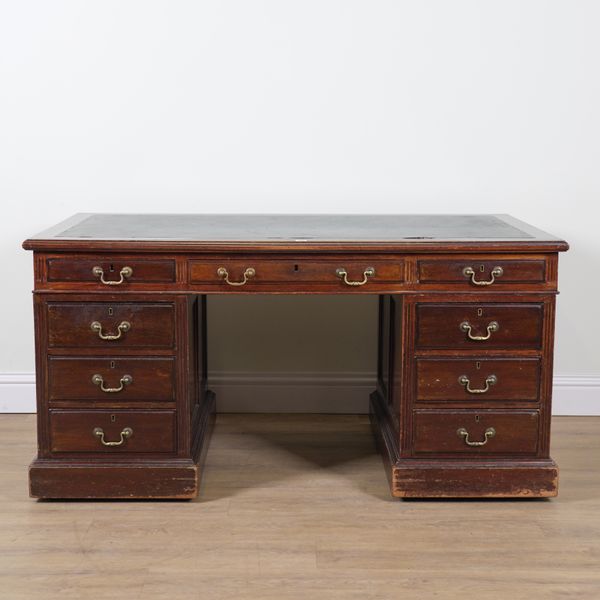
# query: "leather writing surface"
273, 228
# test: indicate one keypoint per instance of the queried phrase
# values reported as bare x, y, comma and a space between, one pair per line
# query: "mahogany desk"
466, 328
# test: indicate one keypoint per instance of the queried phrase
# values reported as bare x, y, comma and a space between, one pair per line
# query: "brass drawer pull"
490, 432
467, 328
470, 272
122, 327
125, 380
125, 273
343, 274
127, 432
489, 381
249, 273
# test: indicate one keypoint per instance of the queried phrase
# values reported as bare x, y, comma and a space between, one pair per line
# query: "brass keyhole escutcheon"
480, 312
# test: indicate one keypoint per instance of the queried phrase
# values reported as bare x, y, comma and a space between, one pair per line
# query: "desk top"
181, 232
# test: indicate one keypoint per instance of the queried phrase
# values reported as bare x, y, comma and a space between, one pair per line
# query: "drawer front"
111, 272
254, 272
477, 379
469, 432
481, 272
110, 325
479, 326
119, 379
112, 431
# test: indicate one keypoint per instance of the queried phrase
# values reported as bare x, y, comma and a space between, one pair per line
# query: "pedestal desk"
466, 328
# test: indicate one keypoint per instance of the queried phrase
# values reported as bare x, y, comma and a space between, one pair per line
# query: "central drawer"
470, 432
229, 273
478, 379
479, 326
112, 431
120, 379
110, 325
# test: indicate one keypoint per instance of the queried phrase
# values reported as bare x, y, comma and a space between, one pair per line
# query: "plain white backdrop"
316, 106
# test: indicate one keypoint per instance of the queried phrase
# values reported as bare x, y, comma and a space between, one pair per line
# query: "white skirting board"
308, 392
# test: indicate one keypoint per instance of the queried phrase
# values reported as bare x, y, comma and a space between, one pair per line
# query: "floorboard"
297, 507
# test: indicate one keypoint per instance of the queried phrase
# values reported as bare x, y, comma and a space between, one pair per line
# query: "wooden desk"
466, 329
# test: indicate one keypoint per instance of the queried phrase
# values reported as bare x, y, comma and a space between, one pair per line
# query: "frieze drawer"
342, 273
482, 273
110, 273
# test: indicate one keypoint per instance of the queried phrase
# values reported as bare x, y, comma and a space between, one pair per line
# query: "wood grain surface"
298, 508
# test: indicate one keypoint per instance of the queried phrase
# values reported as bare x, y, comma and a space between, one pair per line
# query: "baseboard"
17, 392
335, 392
576, 395
293, 392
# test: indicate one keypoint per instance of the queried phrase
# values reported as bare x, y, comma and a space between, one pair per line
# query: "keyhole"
111, 268
481, 268
295, 267
479, 312
113, 418
476, 418
112, 364
478, 365
110, 311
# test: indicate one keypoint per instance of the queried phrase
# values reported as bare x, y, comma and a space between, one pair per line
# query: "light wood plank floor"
297, 507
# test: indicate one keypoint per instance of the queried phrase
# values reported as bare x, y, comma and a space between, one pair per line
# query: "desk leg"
202, 400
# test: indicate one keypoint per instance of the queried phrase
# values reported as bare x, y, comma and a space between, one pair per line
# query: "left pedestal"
123, 407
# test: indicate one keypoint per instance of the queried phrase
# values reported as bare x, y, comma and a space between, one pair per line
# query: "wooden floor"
297, 507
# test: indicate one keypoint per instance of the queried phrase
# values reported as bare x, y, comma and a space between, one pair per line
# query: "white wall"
316, 106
